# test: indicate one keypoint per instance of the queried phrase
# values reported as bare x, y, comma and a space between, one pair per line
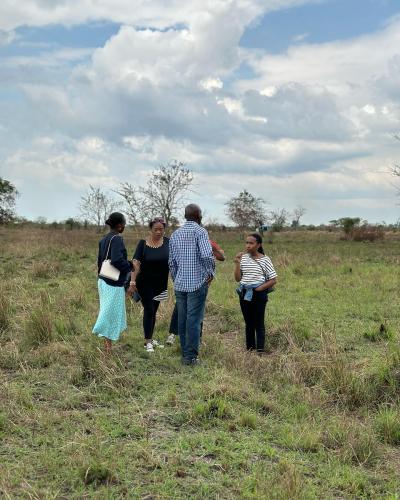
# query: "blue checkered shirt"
191, 260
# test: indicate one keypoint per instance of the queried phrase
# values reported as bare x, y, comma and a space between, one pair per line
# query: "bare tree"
163, 194
165, 189
95, 206
395, 168
297, 214
134, 203
278, 218
246, 210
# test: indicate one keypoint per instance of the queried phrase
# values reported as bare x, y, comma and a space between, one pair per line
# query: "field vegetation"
318, 417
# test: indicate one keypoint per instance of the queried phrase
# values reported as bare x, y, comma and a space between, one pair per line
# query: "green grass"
318, 417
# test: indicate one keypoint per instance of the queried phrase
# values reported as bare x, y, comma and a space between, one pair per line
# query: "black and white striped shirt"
257, 271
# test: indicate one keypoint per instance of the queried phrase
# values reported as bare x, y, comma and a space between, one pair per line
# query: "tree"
8, 195
346, 223
135, 205
95, 206
72, 223
163, 194
165, 189
395, 169
298, 213
246, 210
278, 219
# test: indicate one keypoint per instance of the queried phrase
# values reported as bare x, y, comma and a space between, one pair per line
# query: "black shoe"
190, 362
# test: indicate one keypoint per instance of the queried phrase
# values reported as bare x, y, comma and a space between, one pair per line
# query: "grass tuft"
215, 408
39, 328
383, 332
97, 475
248, 420
5, 312
387, 424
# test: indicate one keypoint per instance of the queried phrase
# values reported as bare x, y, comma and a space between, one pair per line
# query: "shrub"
367, 233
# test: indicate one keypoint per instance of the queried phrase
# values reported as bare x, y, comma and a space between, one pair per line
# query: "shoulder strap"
109, 245
262, 268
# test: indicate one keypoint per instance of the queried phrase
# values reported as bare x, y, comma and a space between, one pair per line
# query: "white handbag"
107, 270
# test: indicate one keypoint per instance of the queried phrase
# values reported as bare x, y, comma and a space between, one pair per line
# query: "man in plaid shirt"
192, 268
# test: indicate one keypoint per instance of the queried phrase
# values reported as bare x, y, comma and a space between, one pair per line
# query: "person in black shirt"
111, 321
151, 280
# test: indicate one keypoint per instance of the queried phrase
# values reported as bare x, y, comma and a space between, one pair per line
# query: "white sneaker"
170, 339
149, 347
156, 343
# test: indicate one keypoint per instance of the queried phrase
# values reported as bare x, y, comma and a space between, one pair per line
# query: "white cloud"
314, 125
157, 13
211, 83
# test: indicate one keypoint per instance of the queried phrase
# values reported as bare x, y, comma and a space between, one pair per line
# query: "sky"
297, 101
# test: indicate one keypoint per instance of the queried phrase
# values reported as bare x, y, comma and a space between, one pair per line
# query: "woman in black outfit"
150, 280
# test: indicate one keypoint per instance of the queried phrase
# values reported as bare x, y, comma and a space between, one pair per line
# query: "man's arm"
206, 254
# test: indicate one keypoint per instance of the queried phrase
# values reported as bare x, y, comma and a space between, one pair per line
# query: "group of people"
189, 257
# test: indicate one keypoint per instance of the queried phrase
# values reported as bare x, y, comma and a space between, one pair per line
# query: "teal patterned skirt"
111, 321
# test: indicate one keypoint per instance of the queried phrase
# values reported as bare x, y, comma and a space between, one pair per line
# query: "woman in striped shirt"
256, 274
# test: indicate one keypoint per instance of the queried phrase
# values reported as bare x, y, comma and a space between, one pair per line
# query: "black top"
153, 276
118, 256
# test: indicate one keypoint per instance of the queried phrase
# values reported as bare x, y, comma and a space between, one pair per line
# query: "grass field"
319, 417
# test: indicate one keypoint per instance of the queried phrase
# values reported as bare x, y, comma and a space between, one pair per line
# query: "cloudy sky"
295, 100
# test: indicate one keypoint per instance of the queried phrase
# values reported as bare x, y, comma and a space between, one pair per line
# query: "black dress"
152, 279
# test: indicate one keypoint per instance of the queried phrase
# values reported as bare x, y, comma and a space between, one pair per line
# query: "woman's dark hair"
114, 219
157, 219
258, 239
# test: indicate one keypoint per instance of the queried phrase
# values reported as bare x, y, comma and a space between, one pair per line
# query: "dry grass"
317, 417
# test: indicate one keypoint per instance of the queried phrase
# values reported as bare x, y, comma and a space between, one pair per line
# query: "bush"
367, 233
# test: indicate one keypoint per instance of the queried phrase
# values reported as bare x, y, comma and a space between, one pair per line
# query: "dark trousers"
150, 307
254, 317
173, 326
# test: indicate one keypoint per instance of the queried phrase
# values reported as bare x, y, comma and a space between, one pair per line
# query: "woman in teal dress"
111, 321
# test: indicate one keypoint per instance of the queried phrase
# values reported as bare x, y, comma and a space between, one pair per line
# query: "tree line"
164, 195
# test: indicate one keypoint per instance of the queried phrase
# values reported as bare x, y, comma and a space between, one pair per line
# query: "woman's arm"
237, 272
117, 255
266, 285
132, 284
136, 262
